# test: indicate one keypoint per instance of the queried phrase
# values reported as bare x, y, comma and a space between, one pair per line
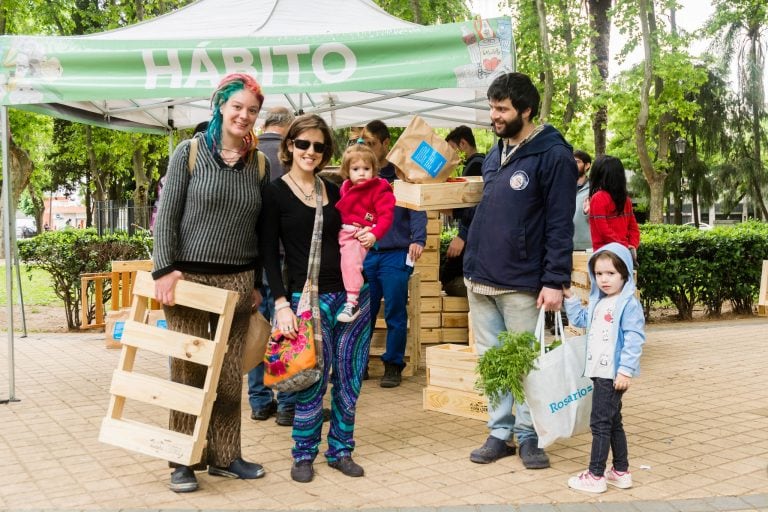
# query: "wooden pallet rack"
130, 384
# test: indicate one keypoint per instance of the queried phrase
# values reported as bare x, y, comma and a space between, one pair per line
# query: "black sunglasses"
304, 145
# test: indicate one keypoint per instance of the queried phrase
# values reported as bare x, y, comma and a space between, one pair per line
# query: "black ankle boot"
392, 375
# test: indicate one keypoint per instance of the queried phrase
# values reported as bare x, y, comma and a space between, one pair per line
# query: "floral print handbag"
294, 365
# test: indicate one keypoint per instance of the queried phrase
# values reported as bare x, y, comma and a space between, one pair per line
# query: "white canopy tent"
346, 60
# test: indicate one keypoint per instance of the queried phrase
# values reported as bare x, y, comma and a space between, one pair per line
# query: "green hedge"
687, 266
68, 253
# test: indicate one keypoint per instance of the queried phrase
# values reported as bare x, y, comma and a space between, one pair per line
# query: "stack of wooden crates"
451, 367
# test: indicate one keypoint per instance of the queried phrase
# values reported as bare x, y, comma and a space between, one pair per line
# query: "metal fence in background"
113, 216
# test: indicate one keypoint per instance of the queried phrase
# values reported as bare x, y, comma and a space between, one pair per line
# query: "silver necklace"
307, 197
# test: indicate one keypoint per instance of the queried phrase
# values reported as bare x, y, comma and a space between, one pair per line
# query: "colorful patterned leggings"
345, 352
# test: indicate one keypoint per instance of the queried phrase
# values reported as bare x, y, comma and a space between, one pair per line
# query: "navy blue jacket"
408, 226
521, 235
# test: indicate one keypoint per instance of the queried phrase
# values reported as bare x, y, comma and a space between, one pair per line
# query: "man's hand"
415, 250
455, 248
256, 299
550, 299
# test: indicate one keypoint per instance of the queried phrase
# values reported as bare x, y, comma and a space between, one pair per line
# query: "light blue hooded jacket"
629, 331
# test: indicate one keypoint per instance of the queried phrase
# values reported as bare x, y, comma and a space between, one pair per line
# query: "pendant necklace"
307, 197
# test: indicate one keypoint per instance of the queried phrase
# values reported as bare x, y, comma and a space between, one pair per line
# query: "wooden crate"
450, 319
455, 402
455, 304
431, 320
128, 384
762, 298
429, 258
430, 304
439, 196
431, 289
428, 272
455, 334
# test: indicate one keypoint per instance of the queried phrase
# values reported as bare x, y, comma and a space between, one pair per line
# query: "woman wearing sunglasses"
289, 217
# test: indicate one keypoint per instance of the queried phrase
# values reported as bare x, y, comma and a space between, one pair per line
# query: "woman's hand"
256, 299
165, 287
287, 323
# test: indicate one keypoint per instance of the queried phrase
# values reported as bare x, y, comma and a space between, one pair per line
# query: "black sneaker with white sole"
183, 479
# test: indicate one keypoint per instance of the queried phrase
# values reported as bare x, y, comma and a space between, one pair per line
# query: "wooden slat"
168, 343
459, 357
429, 258
131, 265
187, 294
455, 334
430, 304
430, 320
450, 378
455, 402
147, 439
457, 319
439, 196
431, 288
455, 304
155, 391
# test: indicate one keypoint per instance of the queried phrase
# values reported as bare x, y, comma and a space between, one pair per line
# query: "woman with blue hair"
206, 232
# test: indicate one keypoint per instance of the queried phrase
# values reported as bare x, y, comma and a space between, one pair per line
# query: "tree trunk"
756, 98
140, 193
573, 74
549, 85
20, 171
416, 8
600, 46
655, 179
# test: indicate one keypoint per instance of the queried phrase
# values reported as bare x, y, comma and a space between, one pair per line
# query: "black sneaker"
265, 412
492, 450
349, 313
302, 471
285, 418
532, 456
238, 469
347, 466
183, 480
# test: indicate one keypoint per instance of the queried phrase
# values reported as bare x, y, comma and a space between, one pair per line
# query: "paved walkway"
697, 422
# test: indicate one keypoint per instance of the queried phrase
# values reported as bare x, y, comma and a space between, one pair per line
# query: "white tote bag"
558, 394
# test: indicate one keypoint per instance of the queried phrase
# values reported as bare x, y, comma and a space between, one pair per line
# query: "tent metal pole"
21, 292
8, 230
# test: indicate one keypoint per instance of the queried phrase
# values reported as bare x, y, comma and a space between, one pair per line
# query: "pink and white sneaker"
588, 482
622, 480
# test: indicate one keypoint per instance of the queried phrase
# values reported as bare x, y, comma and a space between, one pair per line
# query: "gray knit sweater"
206, 220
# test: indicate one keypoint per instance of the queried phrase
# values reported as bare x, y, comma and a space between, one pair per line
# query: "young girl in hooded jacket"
615, 336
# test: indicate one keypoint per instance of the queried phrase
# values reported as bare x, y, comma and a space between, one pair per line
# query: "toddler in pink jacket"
367, 207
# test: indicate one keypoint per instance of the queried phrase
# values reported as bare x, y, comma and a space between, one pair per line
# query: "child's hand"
622, 382
367, 239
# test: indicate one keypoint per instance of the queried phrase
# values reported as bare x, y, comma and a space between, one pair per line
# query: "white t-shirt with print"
601, 344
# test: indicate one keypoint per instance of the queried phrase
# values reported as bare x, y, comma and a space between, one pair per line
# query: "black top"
285, 218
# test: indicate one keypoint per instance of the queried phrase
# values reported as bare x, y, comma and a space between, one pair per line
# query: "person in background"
461, 139
366, 200
610, 208
260, 397
197, 238
389, 265
582, 239
276, 122
615, 336
519, 245
290, 205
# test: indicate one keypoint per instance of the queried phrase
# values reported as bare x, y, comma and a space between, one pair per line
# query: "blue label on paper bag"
118, 332
162, 323
428, 159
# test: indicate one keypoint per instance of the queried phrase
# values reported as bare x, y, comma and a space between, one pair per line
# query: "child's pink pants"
352, 256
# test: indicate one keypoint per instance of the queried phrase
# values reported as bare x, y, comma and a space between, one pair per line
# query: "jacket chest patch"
519, 180
369, 217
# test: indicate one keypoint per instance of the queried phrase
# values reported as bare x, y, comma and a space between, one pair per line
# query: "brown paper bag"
259, 330
421, 156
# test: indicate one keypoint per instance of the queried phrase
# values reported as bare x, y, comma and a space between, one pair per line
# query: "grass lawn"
37, 289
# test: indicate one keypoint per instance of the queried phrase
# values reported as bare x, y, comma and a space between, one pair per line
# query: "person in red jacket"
367, 207
610, 209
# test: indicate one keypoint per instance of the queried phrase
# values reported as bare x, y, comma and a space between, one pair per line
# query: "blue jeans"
492, 314
388, 276
259, 395
607, 428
